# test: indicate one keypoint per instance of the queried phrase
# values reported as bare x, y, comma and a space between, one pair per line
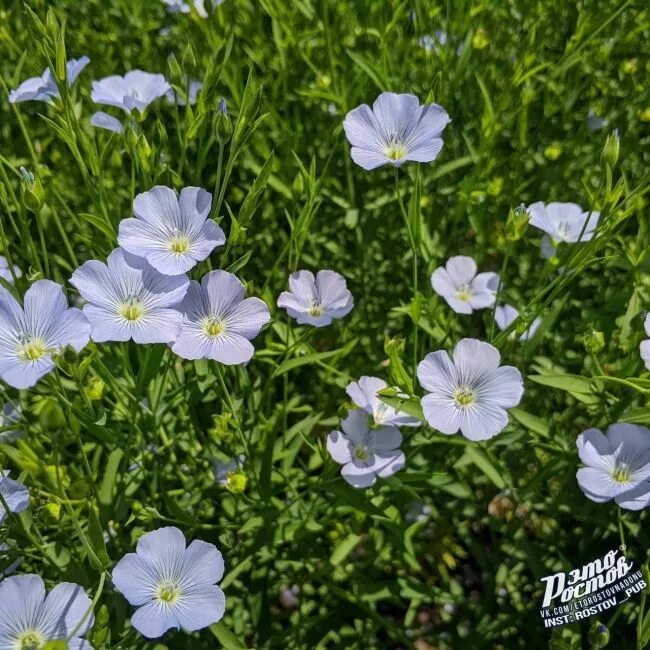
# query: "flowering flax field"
324, 324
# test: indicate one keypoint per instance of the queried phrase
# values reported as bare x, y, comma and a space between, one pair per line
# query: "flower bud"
553, 151
31, 191
236, 482
611, 149
95, 389
517, 223
221, 123
52, 512
598, 635
593, 341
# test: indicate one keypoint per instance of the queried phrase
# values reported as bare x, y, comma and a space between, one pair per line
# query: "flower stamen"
464, 396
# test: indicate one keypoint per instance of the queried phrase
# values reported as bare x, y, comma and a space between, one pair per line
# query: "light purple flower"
188, 95
644, 348
105, 121
176, 6
222, 470
219, 322
429, 42
505, 315
562, 223
16, 496
316, 301
365, 453
136, 89
617, 465
470, 391
397, 129
364, 394
128, 299
5, 271
171, 585
458, 283
171, 232
10, 417
43, 88
30, 336
31, 618
12, 566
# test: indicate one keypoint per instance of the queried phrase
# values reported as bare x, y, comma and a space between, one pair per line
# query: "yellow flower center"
315, 310
464, 294
179, 244
30, 640
168, 593
32, 349
395, 151
213, 327
464, 396
132, 309
621, 473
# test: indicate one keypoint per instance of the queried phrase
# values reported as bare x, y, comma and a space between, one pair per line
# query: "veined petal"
136, 578
200, 608
338, 448
67, 609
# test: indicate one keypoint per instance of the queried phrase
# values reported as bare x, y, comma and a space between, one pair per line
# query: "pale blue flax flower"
5, 271
397, 129
644, 348
364, 394
505, 315
126, 298
30, 618
43, 88
29, 336
105, 121
316, 300
136, 89
562, 223
469, 391
365, 453
219, 322
187, 95
173, 233
171, 585
617, 465
9, 422
14, 494
463, 289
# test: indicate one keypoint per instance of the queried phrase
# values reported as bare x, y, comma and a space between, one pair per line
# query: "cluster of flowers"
171, 584
143, 293
135, 90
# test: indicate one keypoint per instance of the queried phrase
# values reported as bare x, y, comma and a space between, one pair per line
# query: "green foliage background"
518, 78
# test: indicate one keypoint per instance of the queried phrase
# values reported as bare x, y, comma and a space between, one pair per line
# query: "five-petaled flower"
14, 494
469, 391
505, 315
316, 300
617, 465
126, 298
219, 322
173, 233
30, 618
171, 585
364, 394
365, 453
136, 89
458, 283
563, 223
44, 88
397, 129
29, 336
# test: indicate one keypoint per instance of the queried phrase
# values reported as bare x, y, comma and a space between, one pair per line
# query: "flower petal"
67, 609
134, 576
202, 607
338, 448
